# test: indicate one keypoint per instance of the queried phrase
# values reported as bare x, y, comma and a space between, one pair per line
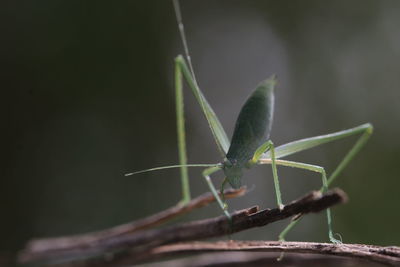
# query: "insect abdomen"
253, 125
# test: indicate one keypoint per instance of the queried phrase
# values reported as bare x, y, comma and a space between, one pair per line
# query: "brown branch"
385, 255
139, 242
88, 239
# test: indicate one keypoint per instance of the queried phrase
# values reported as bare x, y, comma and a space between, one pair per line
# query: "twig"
141, 241
89, 239
261, 259
385, 255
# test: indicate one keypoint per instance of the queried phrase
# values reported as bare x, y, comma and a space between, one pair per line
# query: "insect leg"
221, 191
307, 143
217, 130
323, 189
351, 154
182, 70
257, 155
206, 174
180, 119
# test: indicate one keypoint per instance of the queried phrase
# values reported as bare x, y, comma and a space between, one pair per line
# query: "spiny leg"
206, 174
257, 155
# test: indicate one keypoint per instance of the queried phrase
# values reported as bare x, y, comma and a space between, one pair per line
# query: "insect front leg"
206, 174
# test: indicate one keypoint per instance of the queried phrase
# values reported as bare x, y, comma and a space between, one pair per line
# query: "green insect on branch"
250, 144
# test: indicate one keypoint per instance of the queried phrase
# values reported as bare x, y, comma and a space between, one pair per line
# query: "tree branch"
385, 255
89, 239
132, 245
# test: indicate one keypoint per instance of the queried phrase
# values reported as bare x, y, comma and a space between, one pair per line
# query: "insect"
250, 144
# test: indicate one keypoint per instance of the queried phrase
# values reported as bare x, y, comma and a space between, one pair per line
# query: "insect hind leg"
300, 145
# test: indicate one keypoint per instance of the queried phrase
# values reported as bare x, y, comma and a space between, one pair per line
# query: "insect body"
250, 143
253, 127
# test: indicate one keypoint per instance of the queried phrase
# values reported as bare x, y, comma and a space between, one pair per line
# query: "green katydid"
250, 144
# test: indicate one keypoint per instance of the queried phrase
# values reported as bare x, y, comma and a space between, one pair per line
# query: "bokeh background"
87, 95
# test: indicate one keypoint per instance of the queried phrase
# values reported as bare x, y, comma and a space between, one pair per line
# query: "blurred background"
87, 95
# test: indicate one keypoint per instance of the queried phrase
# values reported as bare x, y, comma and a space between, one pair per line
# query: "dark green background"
87, 95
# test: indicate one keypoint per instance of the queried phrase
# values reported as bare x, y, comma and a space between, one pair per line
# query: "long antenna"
183, 37
174, 166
